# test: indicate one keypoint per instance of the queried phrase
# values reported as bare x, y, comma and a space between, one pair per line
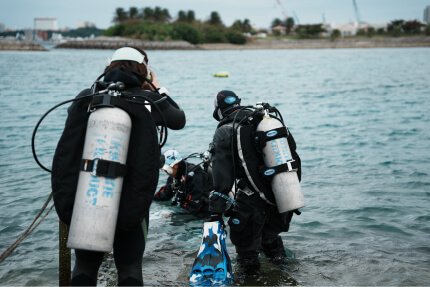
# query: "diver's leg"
246, 225
87, 265
272, 243
128, 252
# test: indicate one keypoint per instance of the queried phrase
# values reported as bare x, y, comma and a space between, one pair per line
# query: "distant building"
29, 35
85, 24
349, 29
2, 27
45, 24
282, 30
427, 15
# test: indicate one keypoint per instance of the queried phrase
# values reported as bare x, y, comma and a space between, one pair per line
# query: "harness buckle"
95, 163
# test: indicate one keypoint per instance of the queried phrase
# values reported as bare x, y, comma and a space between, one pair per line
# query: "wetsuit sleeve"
222, 167
293, 146
174, 116
194, 193
165, 193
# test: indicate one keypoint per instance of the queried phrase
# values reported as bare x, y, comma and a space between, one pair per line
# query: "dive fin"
212, 266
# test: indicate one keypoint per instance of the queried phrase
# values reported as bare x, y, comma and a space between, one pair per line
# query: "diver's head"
172, 158
130, 59
224, 102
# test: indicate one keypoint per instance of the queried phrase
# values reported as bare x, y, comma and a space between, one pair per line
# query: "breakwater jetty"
103, 42
113, 43
423, 41
15, 45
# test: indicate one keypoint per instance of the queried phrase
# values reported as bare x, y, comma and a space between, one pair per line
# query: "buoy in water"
221, 74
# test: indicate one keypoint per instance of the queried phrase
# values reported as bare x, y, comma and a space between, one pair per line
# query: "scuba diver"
261, 210
188, 184
123, 122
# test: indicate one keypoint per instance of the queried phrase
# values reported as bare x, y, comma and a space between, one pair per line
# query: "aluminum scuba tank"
285, 185
97, 199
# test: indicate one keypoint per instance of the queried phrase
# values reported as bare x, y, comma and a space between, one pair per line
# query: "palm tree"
182, 16
276, 22
289, 24
165, 16
120, 16
215, 19
191, 16
133, 13
147, 14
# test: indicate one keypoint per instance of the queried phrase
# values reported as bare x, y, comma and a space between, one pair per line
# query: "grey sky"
21, 13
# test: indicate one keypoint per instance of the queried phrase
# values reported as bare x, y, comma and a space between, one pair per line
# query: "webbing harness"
111, 101
106, 168
261, 137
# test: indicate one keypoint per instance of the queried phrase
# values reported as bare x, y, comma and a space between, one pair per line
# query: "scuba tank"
280, 164
100, 179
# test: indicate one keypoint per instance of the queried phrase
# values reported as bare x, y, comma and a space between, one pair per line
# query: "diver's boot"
130, 275
275, 252
248, 261
85, 273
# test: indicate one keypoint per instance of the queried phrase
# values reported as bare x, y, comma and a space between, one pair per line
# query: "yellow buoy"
221, 74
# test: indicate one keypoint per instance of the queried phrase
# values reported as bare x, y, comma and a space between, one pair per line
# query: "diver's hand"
154, 80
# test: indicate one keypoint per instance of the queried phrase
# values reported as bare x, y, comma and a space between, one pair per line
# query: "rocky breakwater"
103, 42
15, 45
340, 43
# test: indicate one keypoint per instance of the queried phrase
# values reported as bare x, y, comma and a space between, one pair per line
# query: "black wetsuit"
258, 223
190, 189
129, 242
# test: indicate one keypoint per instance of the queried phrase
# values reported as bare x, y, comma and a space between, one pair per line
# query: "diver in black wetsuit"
130, 66
188, 184
255, 224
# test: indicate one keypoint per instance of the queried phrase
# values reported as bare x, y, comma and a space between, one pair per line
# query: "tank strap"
289, 166
104, 168
112, 101
261, 137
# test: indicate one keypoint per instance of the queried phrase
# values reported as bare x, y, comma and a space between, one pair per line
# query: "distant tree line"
157, 24
395, 28
74, 33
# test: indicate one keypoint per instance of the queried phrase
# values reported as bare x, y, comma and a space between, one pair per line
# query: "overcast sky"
21, 13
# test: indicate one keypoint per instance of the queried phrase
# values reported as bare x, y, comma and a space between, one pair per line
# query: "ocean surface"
361, 120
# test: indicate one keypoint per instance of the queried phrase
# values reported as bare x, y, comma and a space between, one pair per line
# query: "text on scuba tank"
281, 151
109, 184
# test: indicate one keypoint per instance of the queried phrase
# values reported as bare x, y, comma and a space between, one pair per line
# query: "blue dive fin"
212, 266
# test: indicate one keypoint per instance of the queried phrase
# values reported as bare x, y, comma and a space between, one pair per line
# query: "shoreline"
399, 42
14, 45
113, 43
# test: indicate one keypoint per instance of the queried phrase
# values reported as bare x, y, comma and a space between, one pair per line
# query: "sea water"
361, 121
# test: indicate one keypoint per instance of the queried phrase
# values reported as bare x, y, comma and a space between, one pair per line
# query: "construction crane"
282, 8
357, 15
296, 18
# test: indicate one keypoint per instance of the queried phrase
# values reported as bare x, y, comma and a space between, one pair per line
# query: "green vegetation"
310, 31
335, 33
83, 32
157, 25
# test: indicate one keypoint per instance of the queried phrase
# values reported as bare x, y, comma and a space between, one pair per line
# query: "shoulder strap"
112, 101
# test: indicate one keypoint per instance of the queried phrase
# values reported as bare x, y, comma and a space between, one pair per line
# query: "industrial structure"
427, 15
45, 24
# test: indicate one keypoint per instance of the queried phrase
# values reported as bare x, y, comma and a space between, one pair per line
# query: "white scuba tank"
285, 185
97, 199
